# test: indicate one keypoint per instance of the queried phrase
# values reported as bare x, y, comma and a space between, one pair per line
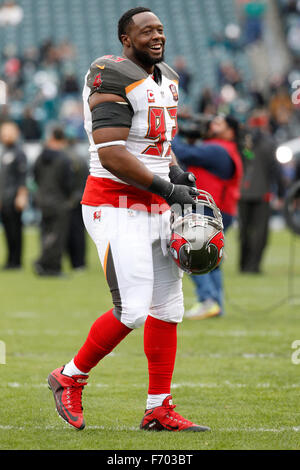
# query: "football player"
130, 106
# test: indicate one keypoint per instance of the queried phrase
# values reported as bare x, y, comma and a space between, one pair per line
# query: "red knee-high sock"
160, 346
106, 333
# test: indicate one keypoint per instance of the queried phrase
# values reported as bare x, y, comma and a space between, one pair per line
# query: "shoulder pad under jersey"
112, 74
167, 71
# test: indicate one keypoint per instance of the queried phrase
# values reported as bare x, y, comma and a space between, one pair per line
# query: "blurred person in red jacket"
217, 165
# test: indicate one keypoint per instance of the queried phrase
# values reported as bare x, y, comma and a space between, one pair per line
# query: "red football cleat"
67, 392
164, 418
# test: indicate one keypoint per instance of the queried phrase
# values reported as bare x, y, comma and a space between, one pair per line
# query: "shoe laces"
174, 416
73, 396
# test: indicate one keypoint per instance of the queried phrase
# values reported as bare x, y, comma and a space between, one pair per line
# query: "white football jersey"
154, 107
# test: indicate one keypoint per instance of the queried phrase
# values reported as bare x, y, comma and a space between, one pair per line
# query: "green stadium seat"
91, 25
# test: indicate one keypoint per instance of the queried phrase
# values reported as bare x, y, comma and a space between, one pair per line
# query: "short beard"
145, 58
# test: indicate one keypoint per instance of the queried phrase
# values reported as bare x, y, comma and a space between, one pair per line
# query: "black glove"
174, 194
178, 176
182, 196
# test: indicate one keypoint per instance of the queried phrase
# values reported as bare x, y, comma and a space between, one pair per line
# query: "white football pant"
142, 277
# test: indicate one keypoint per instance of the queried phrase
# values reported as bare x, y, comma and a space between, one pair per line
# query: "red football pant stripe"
105, 334
160, 346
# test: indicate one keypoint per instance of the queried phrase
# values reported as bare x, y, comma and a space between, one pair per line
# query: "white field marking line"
135, 428
28, 355
36, 314
259, 355
233, 333
235, 385
241, 355
244, 355
226, 383
183, 332
21, 315
203, 356
274, 430
57, 427
13, 332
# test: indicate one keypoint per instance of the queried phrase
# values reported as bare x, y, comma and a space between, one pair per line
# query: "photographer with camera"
217, 166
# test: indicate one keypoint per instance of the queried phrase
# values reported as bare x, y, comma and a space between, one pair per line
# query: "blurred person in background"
69, 84
217, 165
254, 12
29, 126
11, 14
53, 176
228, 74
12, 72
4, 113
13, 192
281, 109
76, 236
184, 75
207, 102
262, 178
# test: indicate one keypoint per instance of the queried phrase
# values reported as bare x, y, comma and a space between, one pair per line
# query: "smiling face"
144, 42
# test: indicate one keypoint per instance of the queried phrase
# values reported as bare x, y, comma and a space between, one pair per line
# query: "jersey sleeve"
108, 75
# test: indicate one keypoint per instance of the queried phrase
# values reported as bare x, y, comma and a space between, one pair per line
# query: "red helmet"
197, 238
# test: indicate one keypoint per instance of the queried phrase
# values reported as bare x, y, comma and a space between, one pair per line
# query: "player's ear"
126, 40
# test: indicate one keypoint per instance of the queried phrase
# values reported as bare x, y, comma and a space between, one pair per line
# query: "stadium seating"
191, 27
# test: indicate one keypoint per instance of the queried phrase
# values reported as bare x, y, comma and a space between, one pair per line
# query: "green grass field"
234, 373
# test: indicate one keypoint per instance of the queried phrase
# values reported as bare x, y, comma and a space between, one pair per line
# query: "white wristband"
109, 144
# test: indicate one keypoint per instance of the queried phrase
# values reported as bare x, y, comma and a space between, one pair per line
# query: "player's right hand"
179, 195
